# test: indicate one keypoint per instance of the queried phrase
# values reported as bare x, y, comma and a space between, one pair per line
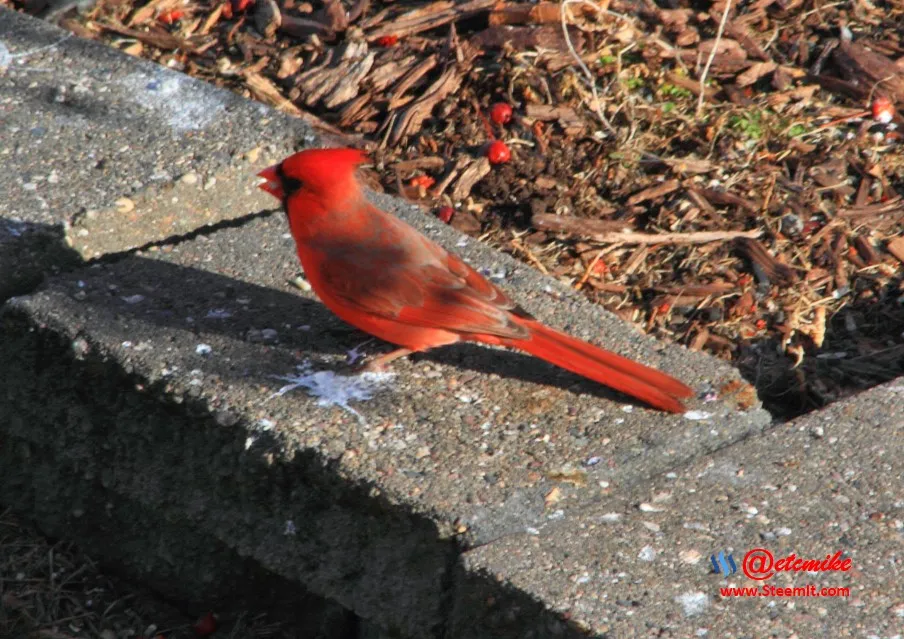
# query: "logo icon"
723, 564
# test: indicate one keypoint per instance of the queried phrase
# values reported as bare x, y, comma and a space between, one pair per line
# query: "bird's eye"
289, 184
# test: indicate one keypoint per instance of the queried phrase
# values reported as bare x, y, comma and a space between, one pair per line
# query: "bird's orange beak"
272, 184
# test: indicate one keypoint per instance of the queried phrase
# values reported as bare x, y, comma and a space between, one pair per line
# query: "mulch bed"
714, 173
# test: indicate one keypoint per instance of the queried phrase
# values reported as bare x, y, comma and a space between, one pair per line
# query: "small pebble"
650, 508
693, 603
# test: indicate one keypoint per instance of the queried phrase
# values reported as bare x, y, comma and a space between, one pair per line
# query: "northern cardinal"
384, 277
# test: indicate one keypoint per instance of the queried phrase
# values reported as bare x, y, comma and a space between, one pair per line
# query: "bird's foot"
377, 364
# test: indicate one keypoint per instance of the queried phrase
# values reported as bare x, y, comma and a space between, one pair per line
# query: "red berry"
445, 214
422, 180
501, 113
387, 41
240, 5
498, 152
206, 625
171, 16
883, 110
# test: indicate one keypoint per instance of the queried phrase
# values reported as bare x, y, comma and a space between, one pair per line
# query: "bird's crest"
322, 170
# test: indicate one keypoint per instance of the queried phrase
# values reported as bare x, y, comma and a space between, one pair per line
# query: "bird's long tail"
644, 383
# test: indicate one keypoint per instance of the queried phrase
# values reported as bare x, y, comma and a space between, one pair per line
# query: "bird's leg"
378, 363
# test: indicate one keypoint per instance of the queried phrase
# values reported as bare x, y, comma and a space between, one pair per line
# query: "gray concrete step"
103, 152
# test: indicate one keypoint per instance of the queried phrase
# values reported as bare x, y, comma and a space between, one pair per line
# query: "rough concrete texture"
161, 389
637, 564
111, 152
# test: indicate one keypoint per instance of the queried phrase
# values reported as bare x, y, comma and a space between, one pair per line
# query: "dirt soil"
724, 175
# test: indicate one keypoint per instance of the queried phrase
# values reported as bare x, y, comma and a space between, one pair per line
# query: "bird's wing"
444, 293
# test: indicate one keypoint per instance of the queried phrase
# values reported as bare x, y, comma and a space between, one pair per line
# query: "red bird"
382, 276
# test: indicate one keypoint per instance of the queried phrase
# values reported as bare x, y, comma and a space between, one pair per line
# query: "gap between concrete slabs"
103, 152
461, 447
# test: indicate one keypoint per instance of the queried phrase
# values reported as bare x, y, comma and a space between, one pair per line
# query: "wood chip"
754, 73
896, 248
429, 17
699, 340
398, 98
690, 85
540, 13
265, 91
737, 30
148, 11
524, 38
155, 37
894, 207
869, 71
384, 74
410, 121
765, 264
654, 192
699, 290
469, 177
576, 226
420, 163
715, 196
866, 250
337, 81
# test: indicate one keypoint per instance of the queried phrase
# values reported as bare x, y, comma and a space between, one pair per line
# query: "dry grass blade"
698, 237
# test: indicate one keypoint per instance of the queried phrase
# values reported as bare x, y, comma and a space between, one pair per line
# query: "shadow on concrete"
28, 253
194, 301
